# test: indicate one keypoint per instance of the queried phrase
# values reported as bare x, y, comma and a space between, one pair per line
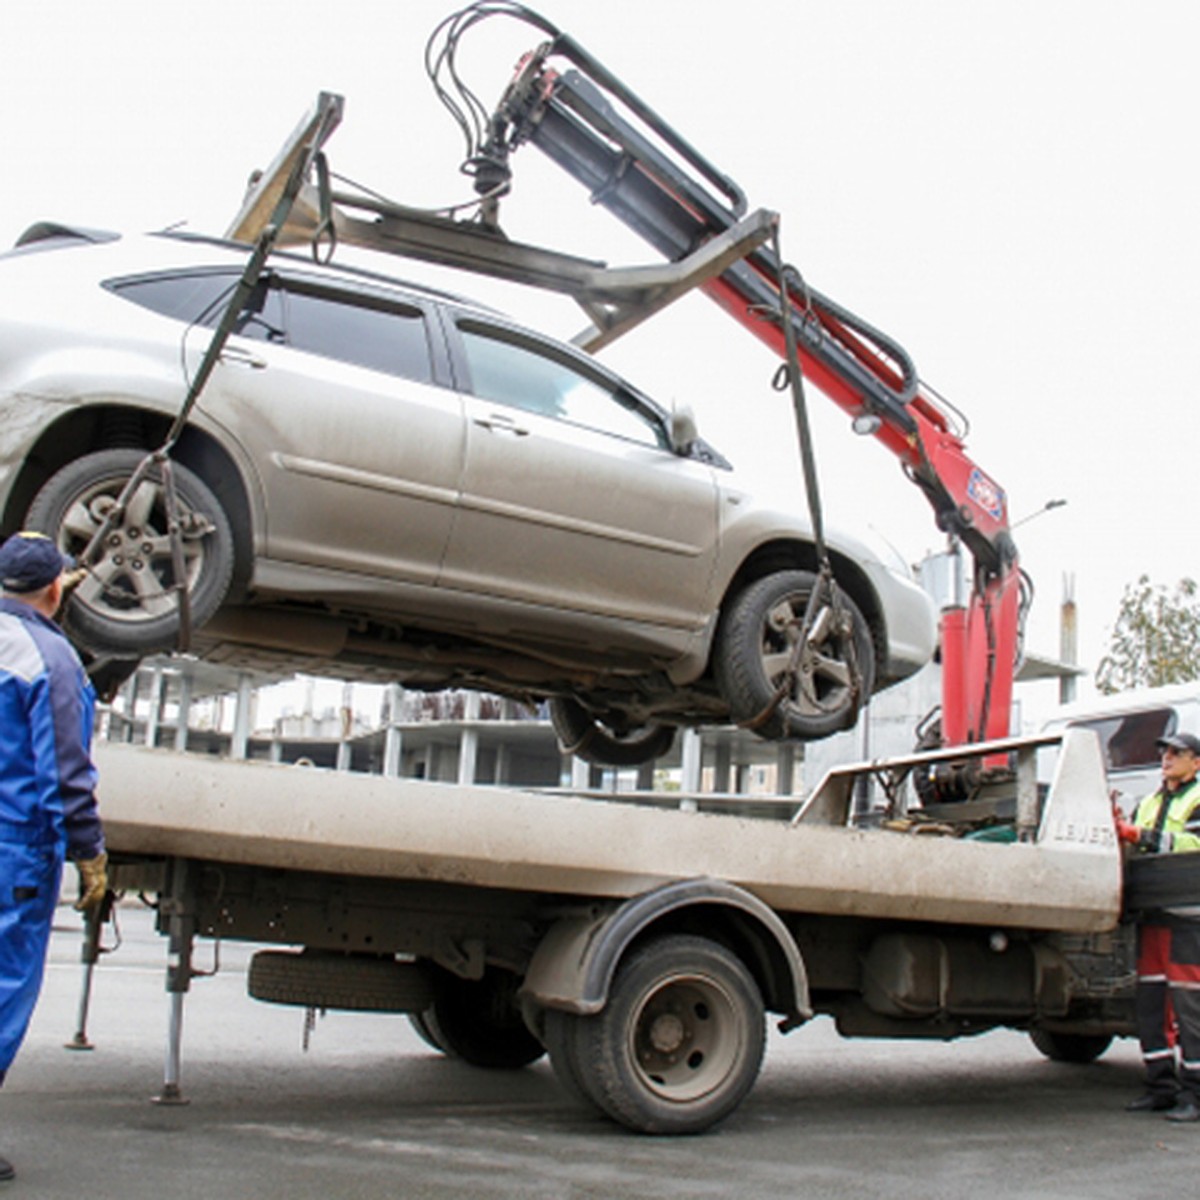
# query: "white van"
1128, 725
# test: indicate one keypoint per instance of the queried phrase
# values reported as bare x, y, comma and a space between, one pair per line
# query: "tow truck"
642, 946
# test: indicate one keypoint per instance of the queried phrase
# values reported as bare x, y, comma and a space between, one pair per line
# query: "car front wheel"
779, 688
128, 605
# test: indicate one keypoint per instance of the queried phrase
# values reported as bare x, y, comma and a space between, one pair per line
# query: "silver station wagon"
389, 483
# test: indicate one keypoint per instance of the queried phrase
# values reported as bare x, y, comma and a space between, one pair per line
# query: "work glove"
93, 882
1127, 832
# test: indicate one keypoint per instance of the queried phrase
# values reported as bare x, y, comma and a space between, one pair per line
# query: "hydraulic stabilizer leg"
93, 923
178, 912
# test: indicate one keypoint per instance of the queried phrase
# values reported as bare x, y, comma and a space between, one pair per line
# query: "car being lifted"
382, 481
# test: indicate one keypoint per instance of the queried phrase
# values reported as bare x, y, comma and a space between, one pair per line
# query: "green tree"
1156, 637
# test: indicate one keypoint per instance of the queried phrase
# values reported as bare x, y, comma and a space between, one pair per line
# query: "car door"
335, 397
572, 500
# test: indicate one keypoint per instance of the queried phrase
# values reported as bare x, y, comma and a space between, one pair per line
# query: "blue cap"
31, 561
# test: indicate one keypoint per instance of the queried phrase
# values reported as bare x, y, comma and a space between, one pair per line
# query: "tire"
479, 1021
427, 1029
559, 1032
679, 1043
127, 606
755, 644
339, 981
579, 733
1070, 1047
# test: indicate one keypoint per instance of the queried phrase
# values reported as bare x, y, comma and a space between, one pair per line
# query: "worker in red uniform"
47, 780
1168, 966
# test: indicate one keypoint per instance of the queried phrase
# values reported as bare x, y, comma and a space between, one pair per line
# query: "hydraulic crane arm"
641, 170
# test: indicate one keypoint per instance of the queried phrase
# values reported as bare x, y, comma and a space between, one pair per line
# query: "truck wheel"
679, 1043
579, 733
1070, 1047
127, 606
427, 1029
559, 1033
754, 648
339, 981
479, 1021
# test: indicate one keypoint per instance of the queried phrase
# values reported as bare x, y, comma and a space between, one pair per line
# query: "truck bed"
160, 803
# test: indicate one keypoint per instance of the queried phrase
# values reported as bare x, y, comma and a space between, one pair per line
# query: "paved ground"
369, 1111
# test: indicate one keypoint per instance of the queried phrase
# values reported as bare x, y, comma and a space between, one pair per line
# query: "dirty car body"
386, 482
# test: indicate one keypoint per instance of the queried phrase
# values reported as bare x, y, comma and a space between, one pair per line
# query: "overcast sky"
1005, 186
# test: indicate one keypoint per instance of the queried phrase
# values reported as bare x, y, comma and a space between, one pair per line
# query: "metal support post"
1028, 809
179, 911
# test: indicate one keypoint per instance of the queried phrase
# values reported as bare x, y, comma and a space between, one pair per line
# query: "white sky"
1005, 186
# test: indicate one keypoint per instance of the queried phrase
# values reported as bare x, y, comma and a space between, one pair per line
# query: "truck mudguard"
575, 961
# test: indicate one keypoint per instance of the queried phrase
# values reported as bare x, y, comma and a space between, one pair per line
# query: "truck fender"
573, 965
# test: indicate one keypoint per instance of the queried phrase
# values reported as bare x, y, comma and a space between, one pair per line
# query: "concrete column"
503, 763
183, 709
692, 762
785, 781
154, 716
241, 718
129, 695
468, 752
392, 738
276, 754
724, 760
645, 777
468, 743
580, 774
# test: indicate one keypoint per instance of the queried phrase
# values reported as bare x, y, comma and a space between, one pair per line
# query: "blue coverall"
47, 800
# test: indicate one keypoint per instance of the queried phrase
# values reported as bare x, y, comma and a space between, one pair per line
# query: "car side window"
200, 299
194, 299
358, 330
533, 378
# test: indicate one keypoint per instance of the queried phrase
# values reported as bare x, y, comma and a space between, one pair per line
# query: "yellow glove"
93, 882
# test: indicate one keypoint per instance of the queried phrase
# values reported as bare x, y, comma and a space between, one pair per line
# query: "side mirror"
683, 429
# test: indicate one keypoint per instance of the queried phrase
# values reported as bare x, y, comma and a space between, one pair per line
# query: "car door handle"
500, 423
236, 356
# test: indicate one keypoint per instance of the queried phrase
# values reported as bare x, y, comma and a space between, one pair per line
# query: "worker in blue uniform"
47, 780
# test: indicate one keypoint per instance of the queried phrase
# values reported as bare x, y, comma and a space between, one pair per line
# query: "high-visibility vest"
1181, 825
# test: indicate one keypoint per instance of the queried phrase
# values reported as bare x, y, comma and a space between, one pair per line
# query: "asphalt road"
370, 1111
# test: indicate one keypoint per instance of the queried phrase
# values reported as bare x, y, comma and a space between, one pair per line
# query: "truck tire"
339, 981
679, 1043
754, 646
127, 606
426, 1027
558, 1032
479, 1021
1070, 1047
579, 733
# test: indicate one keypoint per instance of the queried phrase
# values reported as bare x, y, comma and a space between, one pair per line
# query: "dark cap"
31, 561
1180, 741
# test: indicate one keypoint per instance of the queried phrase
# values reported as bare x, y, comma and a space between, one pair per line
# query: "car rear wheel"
128, 605
579, 733
757, 644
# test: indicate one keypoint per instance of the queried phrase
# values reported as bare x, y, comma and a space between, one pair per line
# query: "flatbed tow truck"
642, 947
